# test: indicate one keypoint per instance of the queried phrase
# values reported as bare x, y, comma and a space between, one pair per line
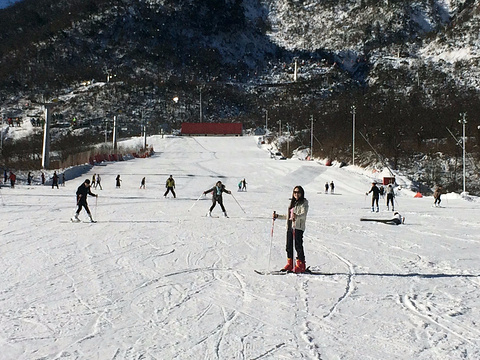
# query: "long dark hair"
293, 201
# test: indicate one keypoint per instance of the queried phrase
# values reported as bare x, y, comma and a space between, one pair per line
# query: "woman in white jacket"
296, 219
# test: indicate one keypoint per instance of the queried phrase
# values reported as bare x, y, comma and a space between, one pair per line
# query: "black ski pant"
220, 202
83, 204
437, 201
390, 200
295, 238
374, 201
168, 190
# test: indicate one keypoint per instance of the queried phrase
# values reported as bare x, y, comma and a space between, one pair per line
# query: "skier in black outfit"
375, 195
217, 191
82, 192
390, 197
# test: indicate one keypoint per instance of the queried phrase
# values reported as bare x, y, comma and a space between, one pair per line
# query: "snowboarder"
118, 181
82, 192
55, 180
390, 197
332, 187
375, 195
170, 185
397, 219
296, 218
217, 191
142, 184
326, 187
436, 195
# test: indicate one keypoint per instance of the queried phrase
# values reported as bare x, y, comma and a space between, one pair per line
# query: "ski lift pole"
238, 203
195, 203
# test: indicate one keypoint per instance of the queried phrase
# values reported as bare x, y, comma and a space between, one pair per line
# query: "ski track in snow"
349, 287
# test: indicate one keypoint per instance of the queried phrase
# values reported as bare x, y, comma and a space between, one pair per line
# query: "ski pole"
95, 211
238, 203
1, 197
271, 240
195, 203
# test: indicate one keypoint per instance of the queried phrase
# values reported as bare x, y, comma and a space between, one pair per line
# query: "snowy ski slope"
153, 280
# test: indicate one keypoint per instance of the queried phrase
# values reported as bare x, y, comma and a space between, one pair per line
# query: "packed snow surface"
157, 279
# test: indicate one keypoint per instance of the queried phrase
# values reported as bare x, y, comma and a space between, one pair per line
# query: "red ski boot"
289, 266
299, 267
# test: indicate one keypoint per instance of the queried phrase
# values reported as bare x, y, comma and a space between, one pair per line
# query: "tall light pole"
311, 137
46, 136
266, 122
353, 134
201, 110
463, 121
1, 134
114, 140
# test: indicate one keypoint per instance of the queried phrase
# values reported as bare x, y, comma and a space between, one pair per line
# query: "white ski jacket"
300, 211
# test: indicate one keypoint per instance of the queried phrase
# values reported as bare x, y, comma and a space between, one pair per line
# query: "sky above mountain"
7, 3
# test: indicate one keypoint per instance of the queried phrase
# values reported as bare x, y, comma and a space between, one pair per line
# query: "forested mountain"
410, 68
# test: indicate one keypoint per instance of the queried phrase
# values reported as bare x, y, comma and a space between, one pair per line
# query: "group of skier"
295, 216
376, 192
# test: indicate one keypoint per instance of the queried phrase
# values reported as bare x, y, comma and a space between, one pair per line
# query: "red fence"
212, 128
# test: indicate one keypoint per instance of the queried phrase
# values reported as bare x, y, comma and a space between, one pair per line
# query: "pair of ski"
73, 220
308, 271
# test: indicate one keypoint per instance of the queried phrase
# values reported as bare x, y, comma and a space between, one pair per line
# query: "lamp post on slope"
353, 134
463, 121
311, 137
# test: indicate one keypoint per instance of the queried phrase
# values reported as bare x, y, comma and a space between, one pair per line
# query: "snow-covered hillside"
156, 279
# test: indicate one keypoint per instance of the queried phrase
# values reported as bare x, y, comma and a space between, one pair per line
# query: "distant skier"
94, 181
142, 184
118, 181
43, 178
29, 178
82, 192
99, 182
390, 197
55, 180
240, 185
436, 195
375, 195
217, 191
332, 187
296, 218
12, 178
244, 185
170, 185
63, 179
326, 187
